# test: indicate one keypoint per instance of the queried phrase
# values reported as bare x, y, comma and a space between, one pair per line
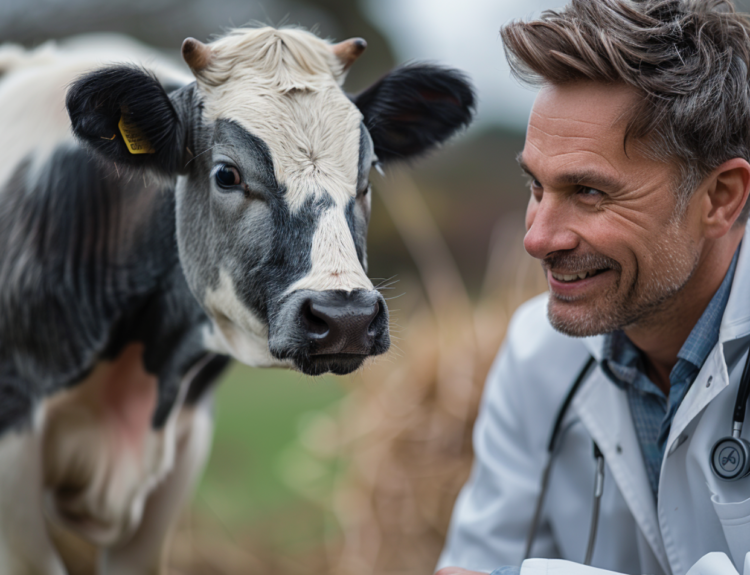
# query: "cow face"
271, 160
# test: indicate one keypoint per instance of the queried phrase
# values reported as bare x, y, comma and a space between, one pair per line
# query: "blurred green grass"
257, 414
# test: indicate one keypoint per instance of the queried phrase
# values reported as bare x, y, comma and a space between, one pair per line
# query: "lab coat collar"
595, 346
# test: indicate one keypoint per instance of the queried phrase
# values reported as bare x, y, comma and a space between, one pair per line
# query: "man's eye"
590, 194
536, 189
227, 176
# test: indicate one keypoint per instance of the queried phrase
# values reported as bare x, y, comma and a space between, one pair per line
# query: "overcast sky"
464, 34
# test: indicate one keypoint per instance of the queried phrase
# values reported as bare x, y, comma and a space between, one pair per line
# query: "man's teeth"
572, 277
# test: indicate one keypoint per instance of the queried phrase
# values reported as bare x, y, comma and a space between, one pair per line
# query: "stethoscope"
730, 456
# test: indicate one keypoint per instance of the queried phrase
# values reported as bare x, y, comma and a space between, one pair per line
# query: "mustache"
576, 263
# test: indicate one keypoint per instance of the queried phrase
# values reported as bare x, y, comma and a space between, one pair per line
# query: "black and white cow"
188, 221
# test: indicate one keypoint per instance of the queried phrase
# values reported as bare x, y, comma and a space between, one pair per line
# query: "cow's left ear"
414, 108
125, 115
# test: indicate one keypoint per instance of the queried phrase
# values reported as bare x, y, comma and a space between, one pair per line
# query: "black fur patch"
206, 377
289, 259
358, 228
169, 324
266, 256
414, 108
365, 159
16, 402
89, 264
96, 102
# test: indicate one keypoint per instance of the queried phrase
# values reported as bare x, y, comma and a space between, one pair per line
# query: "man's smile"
574, 276
573, 286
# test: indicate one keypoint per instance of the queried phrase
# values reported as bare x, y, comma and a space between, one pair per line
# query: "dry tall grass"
389, 460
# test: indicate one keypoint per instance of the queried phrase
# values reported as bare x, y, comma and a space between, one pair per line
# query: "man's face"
602, 222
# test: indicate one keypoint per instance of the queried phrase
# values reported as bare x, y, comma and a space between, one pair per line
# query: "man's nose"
548, 228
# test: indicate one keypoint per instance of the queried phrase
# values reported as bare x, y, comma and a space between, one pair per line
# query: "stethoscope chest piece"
730, 458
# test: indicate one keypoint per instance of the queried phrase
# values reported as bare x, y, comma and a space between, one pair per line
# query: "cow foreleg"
145, 552
25, 545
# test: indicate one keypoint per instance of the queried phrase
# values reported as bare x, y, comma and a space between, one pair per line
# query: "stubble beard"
641, 303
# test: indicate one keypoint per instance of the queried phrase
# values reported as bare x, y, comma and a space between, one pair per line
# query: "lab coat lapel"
604, 410
712, 379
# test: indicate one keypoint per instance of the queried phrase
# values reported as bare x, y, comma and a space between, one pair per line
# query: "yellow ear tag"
134, 138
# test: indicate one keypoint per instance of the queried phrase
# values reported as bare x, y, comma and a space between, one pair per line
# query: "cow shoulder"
82, 246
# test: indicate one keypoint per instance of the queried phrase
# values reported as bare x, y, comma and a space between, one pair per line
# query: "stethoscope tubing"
552, 447
738, 418
598, 492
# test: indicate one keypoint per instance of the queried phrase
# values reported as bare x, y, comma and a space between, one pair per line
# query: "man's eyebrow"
589, 178
523, 166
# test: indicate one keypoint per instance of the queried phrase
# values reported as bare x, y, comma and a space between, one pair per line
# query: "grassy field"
257, 415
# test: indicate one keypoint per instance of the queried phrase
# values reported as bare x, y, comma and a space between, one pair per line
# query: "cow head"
272, 160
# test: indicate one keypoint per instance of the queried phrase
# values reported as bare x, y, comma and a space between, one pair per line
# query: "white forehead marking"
334, 258
244, 336
283, 86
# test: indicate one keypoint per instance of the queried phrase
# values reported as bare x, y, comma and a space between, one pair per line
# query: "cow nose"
329, 330
341, 322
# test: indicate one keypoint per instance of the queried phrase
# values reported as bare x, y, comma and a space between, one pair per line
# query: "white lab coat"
701, 525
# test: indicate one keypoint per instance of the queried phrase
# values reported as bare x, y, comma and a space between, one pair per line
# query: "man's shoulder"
535, 358
531, 375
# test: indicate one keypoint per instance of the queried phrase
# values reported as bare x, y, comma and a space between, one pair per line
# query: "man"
637, 155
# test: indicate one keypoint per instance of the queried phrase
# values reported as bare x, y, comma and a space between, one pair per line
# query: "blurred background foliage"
358, 474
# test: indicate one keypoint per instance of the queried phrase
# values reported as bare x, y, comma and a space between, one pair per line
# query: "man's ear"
726, 203
414, 108
124, 114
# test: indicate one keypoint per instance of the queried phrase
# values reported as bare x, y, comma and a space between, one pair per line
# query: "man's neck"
663, 335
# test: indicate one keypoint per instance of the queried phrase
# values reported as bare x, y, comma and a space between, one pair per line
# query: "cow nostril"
315, 324
372, 328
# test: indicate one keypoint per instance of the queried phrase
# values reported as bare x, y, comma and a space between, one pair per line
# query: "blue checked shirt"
652, 412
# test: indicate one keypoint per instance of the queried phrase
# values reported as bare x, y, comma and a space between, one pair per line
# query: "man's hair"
688, 58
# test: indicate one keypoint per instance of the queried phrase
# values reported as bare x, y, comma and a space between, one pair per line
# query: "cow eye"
227, 176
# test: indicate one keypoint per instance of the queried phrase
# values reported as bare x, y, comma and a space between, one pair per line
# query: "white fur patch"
236, 330
283, 86
101, 457
334, 258
25, 546
144, 553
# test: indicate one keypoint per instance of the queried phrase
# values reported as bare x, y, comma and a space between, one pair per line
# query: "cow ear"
414, 108
125, 115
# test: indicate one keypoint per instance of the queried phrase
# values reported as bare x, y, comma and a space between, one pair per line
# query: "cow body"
98, 333
128, 280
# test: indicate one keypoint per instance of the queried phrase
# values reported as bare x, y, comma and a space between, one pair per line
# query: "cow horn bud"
196, 54
349, 50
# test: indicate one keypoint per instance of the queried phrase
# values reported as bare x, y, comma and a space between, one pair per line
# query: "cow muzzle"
330, 331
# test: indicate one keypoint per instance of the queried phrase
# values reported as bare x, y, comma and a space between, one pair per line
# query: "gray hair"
688, 58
